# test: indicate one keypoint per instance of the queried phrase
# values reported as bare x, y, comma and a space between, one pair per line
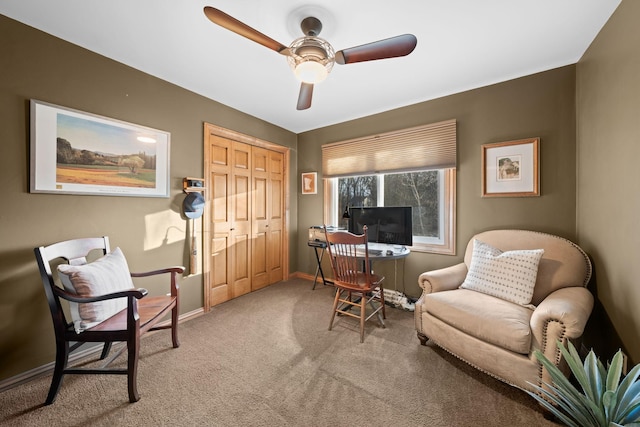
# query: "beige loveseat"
499, 336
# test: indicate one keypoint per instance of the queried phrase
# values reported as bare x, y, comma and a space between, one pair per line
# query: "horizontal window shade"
431, 146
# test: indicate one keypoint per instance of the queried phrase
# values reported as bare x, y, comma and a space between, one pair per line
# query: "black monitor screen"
391, 225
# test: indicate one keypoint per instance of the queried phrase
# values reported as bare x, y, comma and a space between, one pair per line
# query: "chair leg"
363, 315
174, 327
384, 314
423, 338
62, 358
335, 306
105, 350
380, 316
133, 348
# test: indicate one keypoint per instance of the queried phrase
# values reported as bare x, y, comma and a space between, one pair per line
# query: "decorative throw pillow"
507, 275
105, 275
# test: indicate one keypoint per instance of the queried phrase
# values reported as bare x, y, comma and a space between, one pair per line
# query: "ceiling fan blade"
232, 24
306, 93
388, 48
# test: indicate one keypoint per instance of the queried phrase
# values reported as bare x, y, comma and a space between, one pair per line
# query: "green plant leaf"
575, 364
581, 374
631, 412
609, 401
578, 408
628, 390
577, 404
615, 371
596, 385
564, 414
557, 376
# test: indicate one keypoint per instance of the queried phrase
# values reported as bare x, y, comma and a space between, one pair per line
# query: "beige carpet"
267, 359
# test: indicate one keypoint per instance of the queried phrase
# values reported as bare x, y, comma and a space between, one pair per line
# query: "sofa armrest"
444, 279
561, 316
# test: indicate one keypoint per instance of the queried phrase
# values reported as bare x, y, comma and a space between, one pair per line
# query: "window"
410, 167
430, 193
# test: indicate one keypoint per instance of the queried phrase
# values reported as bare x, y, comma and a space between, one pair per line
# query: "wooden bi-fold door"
245, 218
268, 217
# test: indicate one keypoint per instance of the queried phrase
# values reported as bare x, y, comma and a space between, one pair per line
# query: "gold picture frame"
511, 168
309, 183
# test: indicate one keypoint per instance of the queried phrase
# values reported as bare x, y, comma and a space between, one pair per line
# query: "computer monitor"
390, 225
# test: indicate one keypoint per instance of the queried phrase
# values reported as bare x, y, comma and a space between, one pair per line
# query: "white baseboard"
78, 355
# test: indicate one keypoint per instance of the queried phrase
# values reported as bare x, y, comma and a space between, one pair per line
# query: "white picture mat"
526, 181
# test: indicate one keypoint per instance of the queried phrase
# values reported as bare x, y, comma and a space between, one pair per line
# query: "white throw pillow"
105, 275
509, 275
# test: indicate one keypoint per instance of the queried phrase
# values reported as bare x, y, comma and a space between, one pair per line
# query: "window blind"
431, 146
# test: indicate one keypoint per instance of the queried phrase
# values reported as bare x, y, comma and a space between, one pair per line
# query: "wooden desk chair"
104, 306
355, 285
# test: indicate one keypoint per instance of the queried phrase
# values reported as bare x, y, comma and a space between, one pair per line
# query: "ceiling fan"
312, 57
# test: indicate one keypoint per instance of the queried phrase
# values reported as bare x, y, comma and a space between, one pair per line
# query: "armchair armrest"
444, 279
568, 309
174, 271
69, 296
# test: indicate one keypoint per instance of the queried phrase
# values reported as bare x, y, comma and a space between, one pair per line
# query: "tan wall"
608, 141
541, 105
150, 231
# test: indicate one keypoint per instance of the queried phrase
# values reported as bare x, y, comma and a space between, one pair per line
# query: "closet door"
246, 216
240, 231
230, 204
261, 214
276, 220
220, 213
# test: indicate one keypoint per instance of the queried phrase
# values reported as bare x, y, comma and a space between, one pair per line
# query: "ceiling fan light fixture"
311, 72
311, 59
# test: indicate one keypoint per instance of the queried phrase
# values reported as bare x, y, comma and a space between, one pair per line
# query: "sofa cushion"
508, 275
494, 320
105, 275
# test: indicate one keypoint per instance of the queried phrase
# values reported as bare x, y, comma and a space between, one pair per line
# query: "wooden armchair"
104, 306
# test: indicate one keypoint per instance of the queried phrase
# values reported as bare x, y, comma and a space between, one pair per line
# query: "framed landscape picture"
74, 152
511, 169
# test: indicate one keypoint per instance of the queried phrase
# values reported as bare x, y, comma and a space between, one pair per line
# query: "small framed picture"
309, 183
511, 169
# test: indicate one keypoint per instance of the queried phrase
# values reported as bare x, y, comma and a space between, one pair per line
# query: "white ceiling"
462, 44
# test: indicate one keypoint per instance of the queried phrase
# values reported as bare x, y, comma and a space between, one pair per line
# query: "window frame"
446, 245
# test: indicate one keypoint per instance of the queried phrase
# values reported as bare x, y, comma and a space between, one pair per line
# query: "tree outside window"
420, 190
